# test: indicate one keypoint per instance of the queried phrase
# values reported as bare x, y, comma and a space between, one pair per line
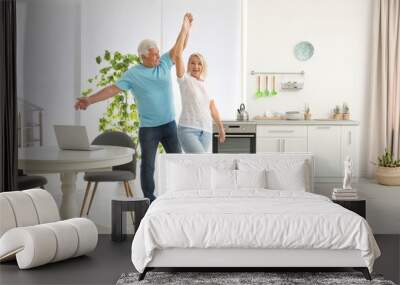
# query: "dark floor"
110, 260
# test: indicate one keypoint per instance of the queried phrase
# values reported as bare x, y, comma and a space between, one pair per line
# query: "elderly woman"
198, 108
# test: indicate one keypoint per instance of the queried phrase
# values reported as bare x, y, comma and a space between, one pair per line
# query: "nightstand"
358, 206
118, 219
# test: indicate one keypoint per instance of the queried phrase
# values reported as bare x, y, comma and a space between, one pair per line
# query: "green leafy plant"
387, 160
121, 113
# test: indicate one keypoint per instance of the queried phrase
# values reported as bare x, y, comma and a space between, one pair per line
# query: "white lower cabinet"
281, 139
325, 145
294, 145
329, 144
268, 144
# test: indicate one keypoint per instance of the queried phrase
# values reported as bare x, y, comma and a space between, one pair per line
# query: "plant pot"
346, 116
338, 116
388, 175
307, 116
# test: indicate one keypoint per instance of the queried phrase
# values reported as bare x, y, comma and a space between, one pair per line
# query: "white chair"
31, 230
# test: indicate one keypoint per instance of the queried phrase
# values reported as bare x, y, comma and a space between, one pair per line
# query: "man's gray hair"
144, 46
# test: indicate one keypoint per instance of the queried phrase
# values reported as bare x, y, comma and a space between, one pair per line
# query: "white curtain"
384, 125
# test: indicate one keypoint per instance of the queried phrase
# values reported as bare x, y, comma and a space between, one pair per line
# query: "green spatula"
266, 92
273, 92
258, 93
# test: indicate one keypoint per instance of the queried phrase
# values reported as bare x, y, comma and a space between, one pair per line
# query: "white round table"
51, 159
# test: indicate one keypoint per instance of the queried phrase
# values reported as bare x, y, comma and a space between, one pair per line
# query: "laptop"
73, 138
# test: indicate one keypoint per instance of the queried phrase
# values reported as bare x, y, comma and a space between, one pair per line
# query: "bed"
246, 211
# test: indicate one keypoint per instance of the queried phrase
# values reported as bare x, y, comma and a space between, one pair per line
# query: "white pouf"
31, 232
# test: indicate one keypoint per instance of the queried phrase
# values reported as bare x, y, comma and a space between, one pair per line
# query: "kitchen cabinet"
281, 131
281, 138
294, 145
330, 143
325, 144
268, 144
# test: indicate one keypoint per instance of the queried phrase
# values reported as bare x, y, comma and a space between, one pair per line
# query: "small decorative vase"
346, 116
337, 116
307, 116
388, 175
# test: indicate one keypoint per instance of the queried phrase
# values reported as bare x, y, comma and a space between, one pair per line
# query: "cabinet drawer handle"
236, 136
349, 137
281, 131
324, 127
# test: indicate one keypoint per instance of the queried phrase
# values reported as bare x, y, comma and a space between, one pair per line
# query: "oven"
239, 138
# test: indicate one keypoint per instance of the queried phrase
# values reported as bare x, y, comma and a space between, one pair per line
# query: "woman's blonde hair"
203, 63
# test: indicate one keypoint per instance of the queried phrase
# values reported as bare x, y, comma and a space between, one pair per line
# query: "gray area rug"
269, 278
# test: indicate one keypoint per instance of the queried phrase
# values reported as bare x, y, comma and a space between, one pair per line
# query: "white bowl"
294, 115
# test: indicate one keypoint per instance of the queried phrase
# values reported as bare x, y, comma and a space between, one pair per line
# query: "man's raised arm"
103, 94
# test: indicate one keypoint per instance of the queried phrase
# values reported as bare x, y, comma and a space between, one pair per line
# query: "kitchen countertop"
296, 122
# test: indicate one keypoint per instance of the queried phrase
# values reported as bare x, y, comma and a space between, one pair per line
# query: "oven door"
235, 143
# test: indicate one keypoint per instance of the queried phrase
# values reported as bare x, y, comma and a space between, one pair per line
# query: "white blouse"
195, 104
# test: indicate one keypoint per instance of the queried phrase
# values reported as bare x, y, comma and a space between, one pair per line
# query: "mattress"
250, 219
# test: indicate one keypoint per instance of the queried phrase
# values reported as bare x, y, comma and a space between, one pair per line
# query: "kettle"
242, 114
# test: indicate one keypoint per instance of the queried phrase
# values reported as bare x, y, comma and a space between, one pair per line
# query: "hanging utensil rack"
276, 73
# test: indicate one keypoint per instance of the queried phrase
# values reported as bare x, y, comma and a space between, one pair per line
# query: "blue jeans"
194, 140
149, 138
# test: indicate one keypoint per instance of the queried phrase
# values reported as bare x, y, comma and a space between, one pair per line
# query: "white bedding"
250, 218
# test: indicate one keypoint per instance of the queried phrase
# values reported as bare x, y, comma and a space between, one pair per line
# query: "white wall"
338, 71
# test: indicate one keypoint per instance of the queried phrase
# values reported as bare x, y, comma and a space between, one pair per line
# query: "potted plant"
346, 111
388, 170
336, 113
307, 113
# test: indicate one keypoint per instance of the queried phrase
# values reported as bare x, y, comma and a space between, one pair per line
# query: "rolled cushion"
105, 176
7, 218
87, 234
37, 245
46, 207
67, 240
33, 246
23, 208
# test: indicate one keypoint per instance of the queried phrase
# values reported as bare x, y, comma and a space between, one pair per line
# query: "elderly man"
150, 83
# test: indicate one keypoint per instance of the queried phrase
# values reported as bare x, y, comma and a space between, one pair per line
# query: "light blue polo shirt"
152, 90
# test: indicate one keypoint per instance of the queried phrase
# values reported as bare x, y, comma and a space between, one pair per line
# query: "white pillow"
251, 178
282, 174
183, 177
292, 179
223, 179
